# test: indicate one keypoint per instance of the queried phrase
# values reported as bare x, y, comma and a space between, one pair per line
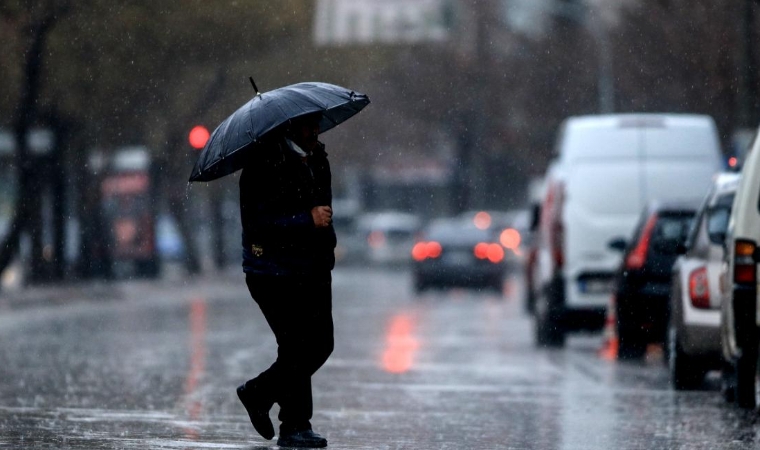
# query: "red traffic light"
198, 137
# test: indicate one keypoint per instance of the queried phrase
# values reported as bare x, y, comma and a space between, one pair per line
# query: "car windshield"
670, 230
455, 233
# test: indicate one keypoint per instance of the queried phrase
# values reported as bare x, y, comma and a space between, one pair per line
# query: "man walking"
288, 255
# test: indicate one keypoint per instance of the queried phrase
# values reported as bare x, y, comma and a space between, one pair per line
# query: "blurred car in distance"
642, 283
169, 241
350, 246
453, 252
388, 236
510, 227
693, 339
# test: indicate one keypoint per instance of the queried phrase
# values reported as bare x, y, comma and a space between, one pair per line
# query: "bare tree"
38, 25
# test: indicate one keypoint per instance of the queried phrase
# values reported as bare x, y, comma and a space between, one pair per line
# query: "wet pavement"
139, 365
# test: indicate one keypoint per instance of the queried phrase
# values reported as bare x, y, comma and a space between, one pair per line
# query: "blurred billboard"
341, 22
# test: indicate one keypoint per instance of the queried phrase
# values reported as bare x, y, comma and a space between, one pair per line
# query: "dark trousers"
299, 312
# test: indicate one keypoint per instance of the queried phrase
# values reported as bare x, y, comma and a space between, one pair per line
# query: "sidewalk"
101, 290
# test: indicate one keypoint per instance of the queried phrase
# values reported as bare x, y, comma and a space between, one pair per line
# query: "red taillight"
699, 288
510, 238
490, 251
482, 220
745, 271
424, 250
638, 255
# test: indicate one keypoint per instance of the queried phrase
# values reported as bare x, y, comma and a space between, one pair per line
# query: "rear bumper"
644, 314
458, 275
584, 319
702, 342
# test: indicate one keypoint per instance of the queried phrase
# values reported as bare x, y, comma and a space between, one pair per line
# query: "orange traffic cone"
609, 350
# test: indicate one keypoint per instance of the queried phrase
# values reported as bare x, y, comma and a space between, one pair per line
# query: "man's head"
304, 131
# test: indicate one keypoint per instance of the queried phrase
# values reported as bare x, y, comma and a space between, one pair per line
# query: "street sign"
341, 22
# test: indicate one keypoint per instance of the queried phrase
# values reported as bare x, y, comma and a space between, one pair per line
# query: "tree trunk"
27, 112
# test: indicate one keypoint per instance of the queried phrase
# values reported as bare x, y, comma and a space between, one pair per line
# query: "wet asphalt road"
157, 366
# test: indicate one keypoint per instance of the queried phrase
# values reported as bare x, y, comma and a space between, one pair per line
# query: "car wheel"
728, 382
631, 343
549, 329
746, 374
530, 301
685, 372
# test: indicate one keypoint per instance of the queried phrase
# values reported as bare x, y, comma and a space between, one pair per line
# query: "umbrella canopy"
225, 150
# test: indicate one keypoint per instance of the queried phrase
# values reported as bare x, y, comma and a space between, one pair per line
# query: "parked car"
388, 236
452, 252
693, 340
739, 289
608, 168
642, 282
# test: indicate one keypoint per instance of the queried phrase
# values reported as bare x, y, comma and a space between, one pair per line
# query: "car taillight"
699, 288
490, 251
510, 238
745, 271
638, 255
424, 250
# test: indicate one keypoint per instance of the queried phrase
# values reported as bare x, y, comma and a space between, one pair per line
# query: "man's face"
305, 134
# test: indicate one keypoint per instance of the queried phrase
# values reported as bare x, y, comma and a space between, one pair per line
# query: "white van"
607, 169
740, 309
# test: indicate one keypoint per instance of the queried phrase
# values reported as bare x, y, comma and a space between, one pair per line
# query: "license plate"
596, 286
457, 258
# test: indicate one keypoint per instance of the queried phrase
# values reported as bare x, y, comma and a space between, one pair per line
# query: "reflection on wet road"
455, 369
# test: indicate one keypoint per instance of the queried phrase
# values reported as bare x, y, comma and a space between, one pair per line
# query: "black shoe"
303, 438
258, 411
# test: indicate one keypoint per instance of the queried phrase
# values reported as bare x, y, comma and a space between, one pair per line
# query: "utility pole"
748, 103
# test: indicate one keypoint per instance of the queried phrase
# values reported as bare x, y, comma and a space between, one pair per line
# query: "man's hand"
322, 216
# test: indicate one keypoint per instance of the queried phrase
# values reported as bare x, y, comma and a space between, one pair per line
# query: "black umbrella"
225, 150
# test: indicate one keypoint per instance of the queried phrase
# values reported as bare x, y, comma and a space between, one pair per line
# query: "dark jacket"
278, 189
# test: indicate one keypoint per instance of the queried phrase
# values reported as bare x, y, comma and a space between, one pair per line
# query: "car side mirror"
717, 223
717, 237
618, 244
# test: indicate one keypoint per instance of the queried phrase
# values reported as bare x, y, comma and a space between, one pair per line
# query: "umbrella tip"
253, 83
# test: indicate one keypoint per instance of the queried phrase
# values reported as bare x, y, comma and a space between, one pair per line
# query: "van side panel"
589, 143
679, 162
603, 202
